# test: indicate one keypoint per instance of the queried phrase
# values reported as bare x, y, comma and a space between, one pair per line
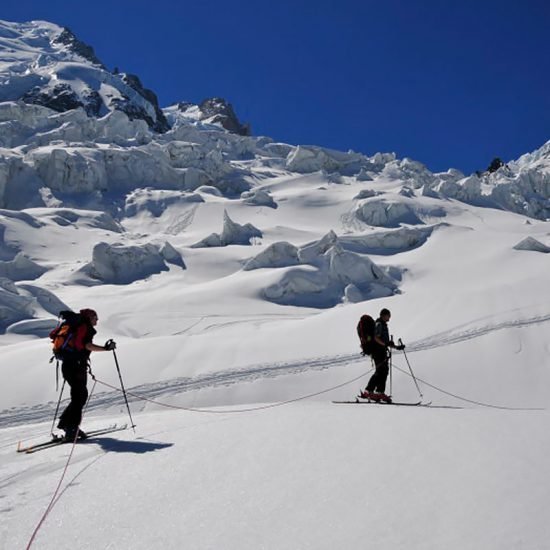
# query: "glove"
400, 347
110, 345
391, 344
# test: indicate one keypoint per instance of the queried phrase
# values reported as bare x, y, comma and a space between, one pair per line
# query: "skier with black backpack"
376, 342
72, 345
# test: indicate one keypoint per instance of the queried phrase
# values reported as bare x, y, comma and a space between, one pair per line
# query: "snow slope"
99, 210
316, 476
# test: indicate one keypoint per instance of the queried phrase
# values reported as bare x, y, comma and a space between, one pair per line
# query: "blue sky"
451, 84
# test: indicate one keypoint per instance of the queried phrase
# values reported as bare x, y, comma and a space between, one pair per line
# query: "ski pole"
123, 390
57, 408
391, 371
391, 375
410, 368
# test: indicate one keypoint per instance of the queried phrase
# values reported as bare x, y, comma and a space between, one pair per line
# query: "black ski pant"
377, 381
75, 373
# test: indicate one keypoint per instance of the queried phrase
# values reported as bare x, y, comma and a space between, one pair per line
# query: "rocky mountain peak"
44, 64
220, 111
68, 38
214, 110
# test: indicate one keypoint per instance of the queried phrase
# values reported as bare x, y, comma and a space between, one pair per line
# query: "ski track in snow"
175, 386
450, 337
183, 222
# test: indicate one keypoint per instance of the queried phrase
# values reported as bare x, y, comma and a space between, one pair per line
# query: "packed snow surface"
304, 476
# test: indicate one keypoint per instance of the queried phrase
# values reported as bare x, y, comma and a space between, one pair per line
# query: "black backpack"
365, 331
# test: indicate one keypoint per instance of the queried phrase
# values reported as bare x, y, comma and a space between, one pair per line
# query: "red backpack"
365, 331
64, 335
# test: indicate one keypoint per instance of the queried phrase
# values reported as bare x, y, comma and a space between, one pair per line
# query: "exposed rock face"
218, 110
161, 124
77, 46
214, 110
59, 98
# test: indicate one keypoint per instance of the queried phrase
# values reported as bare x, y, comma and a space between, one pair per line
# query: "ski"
58, 440
427, 404
53, 442
384, 404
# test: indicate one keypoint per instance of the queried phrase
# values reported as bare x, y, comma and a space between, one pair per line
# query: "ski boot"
370, 396
72, 434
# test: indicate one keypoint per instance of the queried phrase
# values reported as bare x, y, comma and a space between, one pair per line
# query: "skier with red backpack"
72, 345
376, 342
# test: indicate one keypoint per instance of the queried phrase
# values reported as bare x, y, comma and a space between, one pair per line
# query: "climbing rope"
229, 411
54, 499
465, 399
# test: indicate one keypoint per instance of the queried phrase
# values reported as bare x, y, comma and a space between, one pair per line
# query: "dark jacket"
381, 330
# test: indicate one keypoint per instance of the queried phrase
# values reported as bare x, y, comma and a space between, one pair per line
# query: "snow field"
312, 475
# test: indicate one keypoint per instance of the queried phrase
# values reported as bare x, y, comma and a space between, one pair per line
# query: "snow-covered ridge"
44, 64
49, 158
70, 126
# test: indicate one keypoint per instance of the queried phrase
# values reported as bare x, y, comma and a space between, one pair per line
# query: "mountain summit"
215, 110
44, 64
